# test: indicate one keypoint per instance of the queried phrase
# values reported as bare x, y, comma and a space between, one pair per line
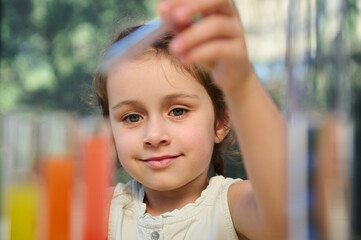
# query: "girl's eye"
133, 118
178, 112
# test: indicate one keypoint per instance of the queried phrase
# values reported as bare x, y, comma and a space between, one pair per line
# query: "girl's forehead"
152, 68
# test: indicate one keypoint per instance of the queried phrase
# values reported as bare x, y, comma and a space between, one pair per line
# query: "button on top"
155, 235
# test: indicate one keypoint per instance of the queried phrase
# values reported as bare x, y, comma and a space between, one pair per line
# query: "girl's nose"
155, 134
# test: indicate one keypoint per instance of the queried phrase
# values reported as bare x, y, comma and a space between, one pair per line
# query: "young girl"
170, 112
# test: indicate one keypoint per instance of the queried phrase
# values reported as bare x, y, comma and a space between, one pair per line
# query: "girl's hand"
216, 41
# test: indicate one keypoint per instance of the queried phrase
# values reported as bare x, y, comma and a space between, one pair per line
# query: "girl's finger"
226, 59
226, 50
182, 11
212, 27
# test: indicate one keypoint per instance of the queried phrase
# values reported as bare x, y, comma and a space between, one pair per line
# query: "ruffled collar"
188, 210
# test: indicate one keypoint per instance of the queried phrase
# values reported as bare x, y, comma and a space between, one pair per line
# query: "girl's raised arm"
257, 206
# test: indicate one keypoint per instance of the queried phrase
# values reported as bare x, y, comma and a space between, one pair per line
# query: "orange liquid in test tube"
58, 182
97, 178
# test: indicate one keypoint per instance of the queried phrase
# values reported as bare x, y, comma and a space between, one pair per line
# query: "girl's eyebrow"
167, 98
126, 102
180, 95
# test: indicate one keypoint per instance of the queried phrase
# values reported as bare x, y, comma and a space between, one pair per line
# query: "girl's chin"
163, 185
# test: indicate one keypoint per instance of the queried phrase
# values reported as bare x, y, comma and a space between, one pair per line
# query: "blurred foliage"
49, 48
355, 75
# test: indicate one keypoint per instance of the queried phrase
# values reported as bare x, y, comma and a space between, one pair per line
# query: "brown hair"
199, 73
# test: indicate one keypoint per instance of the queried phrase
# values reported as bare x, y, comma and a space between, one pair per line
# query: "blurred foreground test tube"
97, 179
58, 170
320, 125
21, 193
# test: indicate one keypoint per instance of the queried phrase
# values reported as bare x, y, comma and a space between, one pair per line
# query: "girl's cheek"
121, 141
126, 139
124, 154
197, 136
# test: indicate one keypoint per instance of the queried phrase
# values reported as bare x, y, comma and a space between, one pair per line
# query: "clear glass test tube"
97, 177
56, 145
318, 105
21, 192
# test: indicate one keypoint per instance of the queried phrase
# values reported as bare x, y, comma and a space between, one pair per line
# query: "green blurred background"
50, 48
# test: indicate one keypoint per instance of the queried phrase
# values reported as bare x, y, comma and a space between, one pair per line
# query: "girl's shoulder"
224, 182
220, 186
239, 189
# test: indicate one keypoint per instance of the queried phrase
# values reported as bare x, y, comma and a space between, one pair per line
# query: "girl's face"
162, 121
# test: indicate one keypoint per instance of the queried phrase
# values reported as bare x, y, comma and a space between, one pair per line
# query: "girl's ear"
222, 130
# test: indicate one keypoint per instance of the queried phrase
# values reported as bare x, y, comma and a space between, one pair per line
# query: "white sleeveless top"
207, 218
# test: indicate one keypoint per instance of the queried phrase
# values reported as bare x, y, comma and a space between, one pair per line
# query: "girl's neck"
159, 202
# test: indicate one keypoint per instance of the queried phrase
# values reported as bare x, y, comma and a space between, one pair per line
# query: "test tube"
97, 178
58, 171
331, 180
1, 180
318, 90
21, 192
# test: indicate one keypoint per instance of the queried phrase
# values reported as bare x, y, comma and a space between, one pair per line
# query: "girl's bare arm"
261, 134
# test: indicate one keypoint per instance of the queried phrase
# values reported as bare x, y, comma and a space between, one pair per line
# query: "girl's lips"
160, 162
